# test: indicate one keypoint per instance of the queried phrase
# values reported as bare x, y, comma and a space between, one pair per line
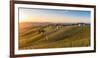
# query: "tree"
41, 30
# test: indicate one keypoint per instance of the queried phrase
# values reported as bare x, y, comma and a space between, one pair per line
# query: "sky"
53, 15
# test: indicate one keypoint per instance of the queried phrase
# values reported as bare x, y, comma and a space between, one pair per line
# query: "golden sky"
53, 15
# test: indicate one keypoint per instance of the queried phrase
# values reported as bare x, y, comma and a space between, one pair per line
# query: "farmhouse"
83, 24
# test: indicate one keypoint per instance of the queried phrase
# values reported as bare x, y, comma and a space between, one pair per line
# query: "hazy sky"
53, 15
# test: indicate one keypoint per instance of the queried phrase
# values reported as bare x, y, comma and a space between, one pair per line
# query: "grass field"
66, 36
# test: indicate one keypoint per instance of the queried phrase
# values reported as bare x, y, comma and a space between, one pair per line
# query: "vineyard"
41, 37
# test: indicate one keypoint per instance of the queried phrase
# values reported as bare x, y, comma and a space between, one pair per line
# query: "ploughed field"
42, 37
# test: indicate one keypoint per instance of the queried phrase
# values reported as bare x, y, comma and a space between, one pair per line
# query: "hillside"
66, 36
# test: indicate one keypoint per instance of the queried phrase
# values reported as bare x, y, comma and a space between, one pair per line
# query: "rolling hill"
66, 36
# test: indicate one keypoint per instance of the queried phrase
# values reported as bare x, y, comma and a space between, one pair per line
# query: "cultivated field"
50, 36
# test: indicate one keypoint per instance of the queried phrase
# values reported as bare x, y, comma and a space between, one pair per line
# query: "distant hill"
28, 24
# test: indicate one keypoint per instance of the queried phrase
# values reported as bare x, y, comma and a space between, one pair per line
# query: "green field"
66, 36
